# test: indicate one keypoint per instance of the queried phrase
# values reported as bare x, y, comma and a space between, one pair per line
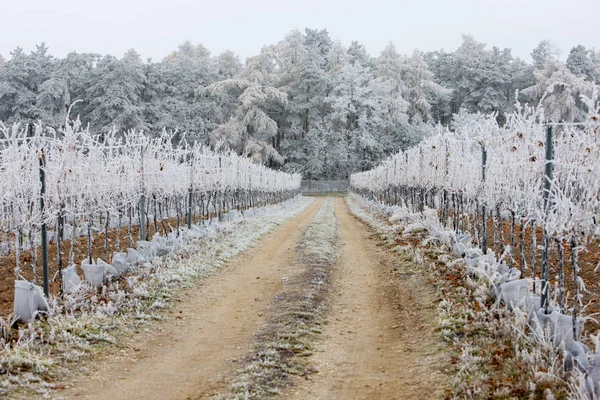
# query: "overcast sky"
155, 27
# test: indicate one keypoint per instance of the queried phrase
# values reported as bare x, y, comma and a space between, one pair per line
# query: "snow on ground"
76, 326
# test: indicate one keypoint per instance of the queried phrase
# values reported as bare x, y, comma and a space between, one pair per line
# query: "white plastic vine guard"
70, 279
134, 256
119, 262
94, 274
145, 249
29, 301
110, 272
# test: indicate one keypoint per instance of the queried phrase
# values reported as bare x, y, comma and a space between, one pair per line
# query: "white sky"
155, 27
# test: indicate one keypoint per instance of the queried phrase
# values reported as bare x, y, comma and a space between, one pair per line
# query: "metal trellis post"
44, 227
548, 172
483, 209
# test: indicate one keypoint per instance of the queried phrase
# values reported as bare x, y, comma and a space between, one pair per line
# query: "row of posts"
548, 179
142, 214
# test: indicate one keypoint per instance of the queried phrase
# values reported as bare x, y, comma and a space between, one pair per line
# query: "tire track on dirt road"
195, 350
380, 342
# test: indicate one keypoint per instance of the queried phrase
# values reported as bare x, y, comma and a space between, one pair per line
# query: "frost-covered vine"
119, 179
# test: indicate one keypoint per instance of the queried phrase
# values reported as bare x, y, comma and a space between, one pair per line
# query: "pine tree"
557, 90
250, 130
183, 77
419, 88
229, 65
582, 63
112, 93
20, 82
357, 53
389, 76
545, 50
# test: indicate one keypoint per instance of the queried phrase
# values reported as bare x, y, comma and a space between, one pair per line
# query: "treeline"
306, 104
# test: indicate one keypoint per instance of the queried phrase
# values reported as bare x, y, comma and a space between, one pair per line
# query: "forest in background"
306, 104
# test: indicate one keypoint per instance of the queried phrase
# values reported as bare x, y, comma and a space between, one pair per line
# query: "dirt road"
379, 342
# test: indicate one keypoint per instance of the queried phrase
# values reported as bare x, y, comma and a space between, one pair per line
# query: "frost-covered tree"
558, 91
188, 50
467, 64
545, 50
419, 88
314, 153
521, 77
229, 65
52, 92
20, 81
356, 119
389, 73
442, 65
482, 80
388, 67
596, 58
583, 63
357, 53
73, 70
113, 92
311, 85
483, 76
319, 38
16, 92
305, 79
289, 57
178, 92
53, 100
250, 130
337, 58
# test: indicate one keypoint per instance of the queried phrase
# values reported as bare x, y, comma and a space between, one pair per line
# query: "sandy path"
194, 351
379, 343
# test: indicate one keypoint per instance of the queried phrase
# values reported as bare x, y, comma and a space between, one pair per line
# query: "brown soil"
8, 262
588, 260
380, 342
195, 351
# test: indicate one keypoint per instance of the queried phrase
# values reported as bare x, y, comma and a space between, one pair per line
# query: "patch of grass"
298, 314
